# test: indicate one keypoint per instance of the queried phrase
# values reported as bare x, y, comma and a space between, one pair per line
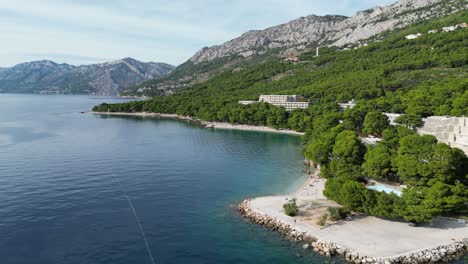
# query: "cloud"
85, 31
107, 19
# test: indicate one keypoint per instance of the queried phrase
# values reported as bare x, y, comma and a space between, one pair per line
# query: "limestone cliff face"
330, 30
297, 33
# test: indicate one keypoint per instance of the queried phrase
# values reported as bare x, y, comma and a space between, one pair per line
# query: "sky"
89, 31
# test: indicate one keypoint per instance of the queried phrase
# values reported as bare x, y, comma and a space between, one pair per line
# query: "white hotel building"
289, 102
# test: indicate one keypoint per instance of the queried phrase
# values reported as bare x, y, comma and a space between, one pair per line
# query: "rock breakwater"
272, 223
442, 253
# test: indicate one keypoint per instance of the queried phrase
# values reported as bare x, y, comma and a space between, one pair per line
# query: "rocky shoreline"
272, 223
441, 253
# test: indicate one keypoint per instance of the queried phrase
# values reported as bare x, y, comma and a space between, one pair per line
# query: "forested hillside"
295, 37
420, 77
425, 76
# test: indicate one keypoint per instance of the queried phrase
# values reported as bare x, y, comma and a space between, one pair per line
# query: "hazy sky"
91, 31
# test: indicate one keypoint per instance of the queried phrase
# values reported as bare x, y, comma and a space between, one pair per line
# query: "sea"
82, 188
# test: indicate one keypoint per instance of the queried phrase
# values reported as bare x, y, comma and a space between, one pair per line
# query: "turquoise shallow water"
60, 201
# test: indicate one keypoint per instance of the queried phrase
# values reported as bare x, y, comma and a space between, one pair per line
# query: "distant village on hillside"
293, 58
433, 31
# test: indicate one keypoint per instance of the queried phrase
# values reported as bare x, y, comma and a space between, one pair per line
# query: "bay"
61, 200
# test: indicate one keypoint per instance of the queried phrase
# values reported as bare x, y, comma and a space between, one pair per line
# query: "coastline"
220, 125
364, 239
214, 125
307, 183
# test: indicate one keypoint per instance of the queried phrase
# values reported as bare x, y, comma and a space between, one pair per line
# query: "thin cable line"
148, 249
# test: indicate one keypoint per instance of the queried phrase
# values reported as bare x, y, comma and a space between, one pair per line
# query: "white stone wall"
450, 130
392, 117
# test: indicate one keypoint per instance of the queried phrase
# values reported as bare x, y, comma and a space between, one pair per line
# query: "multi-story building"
289, 102
289, 106
274, 98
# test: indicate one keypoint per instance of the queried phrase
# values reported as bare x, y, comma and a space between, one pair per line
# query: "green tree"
348, 152
324, 123
444, 198
354, 195
299, 120
413, 207
392, 135
386, 205
320, 147
333, 188
375, 123
460, 105
377, 162
409, 120
414, 155
448, 165
353, 118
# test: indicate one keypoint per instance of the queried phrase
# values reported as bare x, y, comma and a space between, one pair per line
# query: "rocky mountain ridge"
108, 78
311, 31
293, 38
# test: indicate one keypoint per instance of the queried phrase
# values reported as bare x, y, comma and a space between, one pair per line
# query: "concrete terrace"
367, 235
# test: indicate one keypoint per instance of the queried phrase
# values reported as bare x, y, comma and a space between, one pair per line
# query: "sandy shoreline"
309, 184
218, 125
214, 125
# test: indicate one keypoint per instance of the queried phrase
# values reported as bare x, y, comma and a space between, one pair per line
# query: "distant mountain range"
108, 78
295, 37
131, 77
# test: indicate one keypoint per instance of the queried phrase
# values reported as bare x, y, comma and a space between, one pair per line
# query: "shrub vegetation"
290, 208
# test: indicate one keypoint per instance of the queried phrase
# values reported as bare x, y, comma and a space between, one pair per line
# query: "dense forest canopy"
419, 78
426, 76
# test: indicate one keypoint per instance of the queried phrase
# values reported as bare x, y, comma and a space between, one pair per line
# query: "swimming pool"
383, 188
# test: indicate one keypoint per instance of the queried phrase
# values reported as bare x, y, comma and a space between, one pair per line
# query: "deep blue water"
60, 200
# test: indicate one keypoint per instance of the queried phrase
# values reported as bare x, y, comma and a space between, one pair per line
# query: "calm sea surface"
60, 199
